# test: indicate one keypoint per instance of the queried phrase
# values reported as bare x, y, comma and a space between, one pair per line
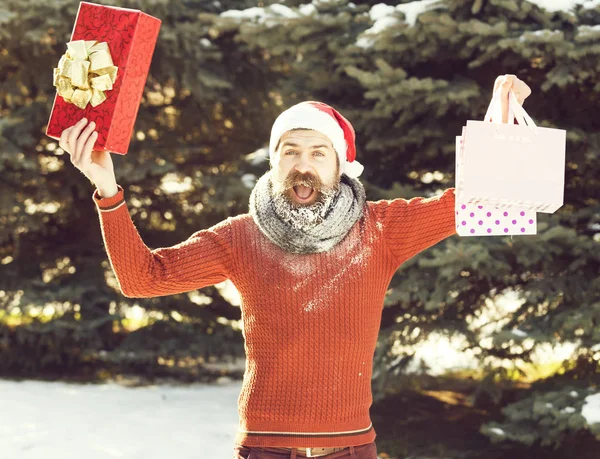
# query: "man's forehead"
306, 137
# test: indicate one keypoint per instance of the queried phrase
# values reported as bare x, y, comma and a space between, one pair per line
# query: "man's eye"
294, 152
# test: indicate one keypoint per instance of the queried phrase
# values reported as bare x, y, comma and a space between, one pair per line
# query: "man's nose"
303, 165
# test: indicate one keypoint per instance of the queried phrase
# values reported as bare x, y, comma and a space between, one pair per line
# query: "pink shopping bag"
487, 220
513, 165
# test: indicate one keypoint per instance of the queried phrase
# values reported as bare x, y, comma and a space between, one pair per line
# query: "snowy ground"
70, 421
57, 420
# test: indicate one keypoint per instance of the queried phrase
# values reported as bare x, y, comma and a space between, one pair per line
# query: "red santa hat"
326, 120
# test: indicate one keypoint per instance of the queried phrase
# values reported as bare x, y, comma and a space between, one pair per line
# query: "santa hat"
326, 120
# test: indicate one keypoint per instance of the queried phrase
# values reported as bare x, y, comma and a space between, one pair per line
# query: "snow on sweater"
310, 321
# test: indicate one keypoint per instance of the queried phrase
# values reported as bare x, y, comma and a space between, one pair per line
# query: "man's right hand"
78, 140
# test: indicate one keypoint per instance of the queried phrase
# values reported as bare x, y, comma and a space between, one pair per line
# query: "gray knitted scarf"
338, 215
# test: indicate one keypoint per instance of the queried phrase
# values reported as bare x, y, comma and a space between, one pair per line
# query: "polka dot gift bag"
511, 165
488, 220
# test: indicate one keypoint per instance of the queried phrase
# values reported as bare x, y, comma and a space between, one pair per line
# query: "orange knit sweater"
310, 322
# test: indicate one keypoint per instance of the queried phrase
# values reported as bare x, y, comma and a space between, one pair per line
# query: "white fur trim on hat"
353, 169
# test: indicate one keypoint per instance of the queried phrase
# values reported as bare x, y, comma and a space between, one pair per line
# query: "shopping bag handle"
519, 111
515, 110
494, 113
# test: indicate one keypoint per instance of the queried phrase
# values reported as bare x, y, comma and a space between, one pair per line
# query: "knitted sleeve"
411, 226
203, 259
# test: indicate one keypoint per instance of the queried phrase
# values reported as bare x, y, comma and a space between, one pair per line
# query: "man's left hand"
510, 83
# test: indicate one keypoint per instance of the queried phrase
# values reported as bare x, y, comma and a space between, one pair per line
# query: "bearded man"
312, 261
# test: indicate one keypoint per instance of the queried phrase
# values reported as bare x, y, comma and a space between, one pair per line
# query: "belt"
316, 452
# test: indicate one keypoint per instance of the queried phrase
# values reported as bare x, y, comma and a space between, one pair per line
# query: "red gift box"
131, 36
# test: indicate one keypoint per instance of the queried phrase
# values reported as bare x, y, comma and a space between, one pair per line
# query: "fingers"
74, 134
520, 99
65, 136
522, 91
78, 140
62, 142
510, 82
82, 140
64, 139
506, 81
86, 153
502, 80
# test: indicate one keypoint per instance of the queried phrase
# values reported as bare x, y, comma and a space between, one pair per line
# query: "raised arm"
203, 259
411, 226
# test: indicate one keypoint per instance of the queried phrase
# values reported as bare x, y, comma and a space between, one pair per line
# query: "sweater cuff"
109, 204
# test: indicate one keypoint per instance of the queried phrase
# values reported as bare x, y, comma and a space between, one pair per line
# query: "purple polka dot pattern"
478, 220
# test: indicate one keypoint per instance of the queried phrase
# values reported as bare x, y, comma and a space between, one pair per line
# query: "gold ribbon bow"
84, 72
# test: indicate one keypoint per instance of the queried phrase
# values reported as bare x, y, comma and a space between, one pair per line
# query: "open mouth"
303, 193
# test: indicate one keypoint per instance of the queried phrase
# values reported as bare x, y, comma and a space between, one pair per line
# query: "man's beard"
303, 216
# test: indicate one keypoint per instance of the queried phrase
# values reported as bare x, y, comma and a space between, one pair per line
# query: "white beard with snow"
298, 216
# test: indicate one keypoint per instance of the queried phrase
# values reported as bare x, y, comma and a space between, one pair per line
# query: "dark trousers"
368, 451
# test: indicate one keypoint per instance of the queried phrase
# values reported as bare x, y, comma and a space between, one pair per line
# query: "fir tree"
407, 75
